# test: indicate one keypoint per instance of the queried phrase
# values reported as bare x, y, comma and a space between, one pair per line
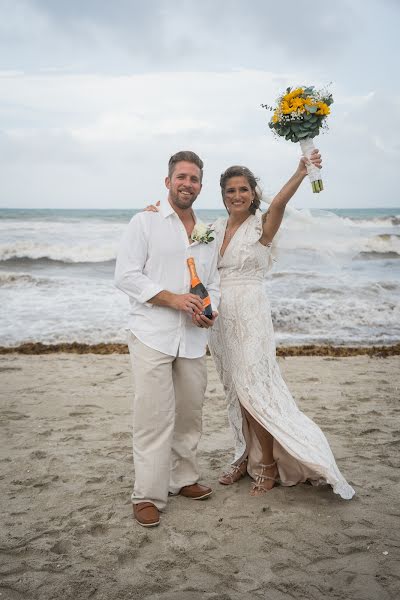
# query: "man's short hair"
187, 156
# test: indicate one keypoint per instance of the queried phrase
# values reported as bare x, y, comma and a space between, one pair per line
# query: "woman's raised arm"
272, 219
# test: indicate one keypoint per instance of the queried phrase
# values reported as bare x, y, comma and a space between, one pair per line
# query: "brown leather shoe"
196, 491
146, 514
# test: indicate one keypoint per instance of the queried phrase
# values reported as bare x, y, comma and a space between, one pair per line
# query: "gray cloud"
128, 36
107, 91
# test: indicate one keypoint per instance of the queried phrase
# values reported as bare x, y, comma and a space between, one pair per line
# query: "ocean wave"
348, 316
58, 252
393, 220
62, 226
316, 243
369, 222
378, 255
74, 309
386, 245
333, 236
328, 218
290, 274
390, 286
21, 279
11, 279
364, 222
324, 233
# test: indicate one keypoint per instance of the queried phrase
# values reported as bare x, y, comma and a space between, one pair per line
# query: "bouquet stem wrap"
307, 146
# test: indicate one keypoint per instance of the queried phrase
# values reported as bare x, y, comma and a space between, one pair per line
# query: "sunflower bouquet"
299, 115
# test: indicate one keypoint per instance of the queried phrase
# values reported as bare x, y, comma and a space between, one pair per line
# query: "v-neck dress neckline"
231, 240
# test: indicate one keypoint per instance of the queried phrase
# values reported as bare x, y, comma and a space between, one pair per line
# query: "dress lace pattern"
243, 346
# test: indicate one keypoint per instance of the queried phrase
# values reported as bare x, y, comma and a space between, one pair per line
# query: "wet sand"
66, 473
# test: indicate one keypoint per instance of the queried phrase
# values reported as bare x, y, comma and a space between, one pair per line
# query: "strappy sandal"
236, 472
257, 488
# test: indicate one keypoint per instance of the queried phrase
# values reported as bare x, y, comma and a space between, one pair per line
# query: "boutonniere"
202, 233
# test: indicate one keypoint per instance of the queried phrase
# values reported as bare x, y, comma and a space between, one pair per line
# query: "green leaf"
303, 134
311, 109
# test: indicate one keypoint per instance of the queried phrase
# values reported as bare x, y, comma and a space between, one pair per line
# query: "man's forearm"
163, 298
189, 303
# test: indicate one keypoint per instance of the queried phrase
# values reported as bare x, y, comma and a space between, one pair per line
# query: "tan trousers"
167, 421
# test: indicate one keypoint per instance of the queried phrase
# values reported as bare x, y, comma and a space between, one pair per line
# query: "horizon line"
200, 208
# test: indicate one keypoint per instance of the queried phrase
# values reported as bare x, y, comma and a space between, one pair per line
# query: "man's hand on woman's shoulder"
152, 207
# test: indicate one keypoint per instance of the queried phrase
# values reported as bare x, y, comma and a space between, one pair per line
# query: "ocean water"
336, 279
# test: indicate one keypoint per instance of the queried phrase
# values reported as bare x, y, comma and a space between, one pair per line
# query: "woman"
274, 441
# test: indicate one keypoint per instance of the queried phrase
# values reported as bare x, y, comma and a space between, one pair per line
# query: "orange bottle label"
206, 301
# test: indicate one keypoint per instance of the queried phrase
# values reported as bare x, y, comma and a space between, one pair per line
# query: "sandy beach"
66, 474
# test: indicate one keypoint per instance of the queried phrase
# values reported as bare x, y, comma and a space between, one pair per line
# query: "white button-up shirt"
152, 257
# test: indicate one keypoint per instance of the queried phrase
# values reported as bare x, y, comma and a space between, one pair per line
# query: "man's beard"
182, 204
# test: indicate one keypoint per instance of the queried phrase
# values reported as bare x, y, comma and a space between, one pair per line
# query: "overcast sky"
96, 95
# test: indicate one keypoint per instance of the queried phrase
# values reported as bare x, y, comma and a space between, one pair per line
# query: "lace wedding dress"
243, 346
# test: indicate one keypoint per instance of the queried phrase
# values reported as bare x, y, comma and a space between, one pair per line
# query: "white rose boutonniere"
202, 233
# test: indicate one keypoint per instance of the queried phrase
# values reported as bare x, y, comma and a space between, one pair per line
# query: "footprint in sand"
46, 433
62, 547
95, 480
182, 541
121, 435
368, 431
11, 415
40, 454
78, 427
98, 530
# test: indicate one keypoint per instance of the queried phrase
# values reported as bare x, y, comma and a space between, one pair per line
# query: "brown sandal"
257, 488
236, 472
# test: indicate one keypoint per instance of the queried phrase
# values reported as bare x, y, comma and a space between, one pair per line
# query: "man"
167, 340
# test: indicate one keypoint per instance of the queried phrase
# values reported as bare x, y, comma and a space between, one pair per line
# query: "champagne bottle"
196, 287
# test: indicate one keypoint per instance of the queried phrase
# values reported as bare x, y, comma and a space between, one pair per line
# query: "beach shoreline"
35, 348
